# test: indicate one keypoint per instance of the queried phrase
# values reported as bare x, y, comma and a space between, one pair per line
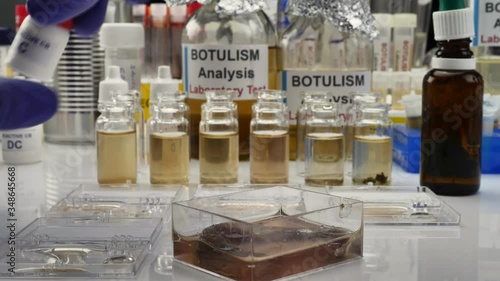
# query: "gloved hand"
26, 104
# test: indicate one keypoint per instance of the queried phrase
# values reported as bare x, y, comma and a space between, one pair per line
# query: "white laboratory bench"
431, 253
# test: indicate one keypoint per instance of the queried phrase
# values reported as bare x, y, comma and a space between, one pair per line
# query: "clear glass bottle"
116, 140
218, 144
271, 96
269, 143
318, 57
353, 113
488, 64
324, 146
169, 143
304, 112
372, 150
224, 51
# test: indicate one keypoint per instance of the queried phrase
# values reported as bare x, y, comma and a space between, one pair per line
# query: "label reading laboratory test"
241, 68
339, 84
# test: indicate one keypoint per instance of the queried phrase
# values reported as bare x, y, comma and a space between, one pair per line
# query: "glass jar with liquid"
169, 143
269, 144
372, 148
116, 139
225, 50
324, 146
218, 139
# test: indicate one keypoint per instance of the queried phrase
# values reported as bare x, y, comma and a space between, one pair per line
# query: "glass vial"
304, 112
452, 110
269, 143
353, 113
116, 139
372, 149
228, 52
218, 143
169, 143
324, 146
318, 57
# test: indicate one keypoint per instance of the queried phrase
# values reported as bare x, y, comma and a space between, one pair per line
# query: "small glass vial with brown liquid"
452, 107
269, 143
116, 140
308, 99
324, 146
169, 143
372, 149
358, 99
219, 157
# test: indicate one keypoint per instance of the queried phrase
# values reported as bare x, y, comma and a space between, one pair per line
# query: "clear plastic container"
267, 233
224, 51
269, 143
324, 146
219, 156
372, 149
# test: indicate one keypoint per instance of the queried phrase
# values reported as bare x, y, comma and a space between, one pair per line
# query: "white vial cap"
453, 24
122, 35
32, 58
404, 20
112, 84
163, 84
383, 20
139, 10
158, 10
178, 14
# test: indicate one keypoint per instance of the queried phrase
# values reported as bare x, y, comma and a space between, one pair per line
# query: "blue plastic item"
406, 150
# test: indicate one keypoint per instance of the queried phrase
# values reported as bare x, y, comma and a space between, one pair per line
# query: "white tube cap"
178, 14
405, 20
139, 10
158, 10
112, 84
163, 84
122, 35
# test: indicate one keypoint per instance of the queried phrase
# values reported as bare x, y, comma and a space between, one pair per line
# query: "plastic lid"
405, 20
453, 21
158, 10
6, 36
21, 14
383, 20
112, 84
122, 35
139, 10
178, 14
163, 84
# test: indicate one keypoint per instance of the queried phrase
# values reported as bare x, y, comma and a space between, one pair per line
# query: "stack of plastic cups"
76, 77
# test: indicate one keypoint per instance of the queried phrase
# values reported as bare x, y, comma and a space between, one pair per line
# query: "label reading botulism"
242, 68
340, 84
487, 22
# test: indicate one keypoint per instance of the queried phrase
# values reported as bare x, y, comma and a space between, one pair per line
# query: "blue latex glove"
26, 104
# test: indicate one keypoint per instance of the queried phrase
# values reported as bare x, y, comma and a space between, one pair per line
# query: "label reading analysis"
243, 69
340, 84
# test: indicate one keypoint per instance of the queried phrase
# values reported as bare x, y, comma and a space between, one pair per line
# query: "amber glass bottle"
452, 117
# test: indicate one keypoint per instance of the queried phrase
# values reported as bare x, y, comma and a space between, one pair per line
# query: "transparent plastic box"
267, 233
117, 201
400, 205
81, 247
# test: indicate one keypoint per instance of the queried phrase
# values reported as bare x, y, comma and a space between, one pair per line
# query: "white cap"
383, 20
453, 24
122, 35
178, 14
139, 10
404, 20
163, 84
112, 84
158, 10
412, 105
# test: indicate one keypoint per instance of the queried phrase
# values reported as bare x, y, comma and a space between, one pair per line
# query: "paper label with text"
487, 22
241, 68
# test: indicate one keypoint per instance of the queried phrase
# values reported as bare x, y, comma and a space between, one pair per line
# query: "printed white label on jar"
241, 68
340, 84
21, 140
487, 22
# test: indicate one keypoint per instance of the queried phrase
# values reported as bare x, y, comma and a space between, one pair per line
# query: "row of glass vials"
324, 140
